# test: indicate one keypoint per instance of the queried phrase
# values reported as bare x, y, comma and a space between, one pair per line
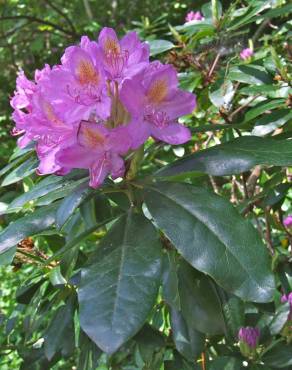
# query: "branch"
41, 21
65, 16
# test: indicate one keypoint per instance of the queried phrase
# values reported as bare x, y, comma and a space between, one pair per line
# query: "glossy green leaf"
250, 74
25, 169
170, 290
71, 203
280, 318
263, 107
119, 286
60, 335
7, 257
159, 46
200, 304
271, 122
234, 157
211, 235
29, 225
226, 363
279, 356
44, 187
188, 341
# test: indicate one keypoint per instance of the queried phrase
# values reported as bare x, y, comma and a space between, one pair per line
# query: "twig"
214, 185
65, 16
88, 9
239, 109
203, 357
211, 70
252, 180
38, 20
268, 232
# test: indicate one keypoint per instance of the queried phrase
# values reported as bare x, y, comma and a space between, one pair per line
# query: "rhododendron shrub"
145, 214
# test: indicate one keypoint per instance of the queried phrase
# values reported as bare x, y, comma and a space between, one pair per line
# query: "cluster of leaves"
161, 271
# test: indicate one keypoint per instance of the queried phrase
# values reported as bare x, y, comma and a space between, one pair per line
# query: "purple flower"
288, 221
102, 100
122, 58
249, 336
98, 149
194, 16
246, 53
155, 103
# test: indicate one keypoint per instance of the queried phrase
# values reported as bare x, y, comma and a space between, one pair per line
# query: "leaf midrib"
226, 249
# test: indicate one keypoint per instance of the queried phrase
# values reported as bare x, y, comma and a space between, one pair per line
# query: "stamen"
116, 61
158, 118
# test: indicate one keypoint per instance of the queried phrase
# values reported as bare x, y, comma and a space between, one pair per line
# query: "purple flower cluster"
194, 16
288, 221
249, 336
105, 99
246, 53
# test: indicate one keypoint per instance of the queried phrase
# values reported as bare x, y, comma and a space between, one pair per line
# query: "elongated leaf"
159, 46
170, 280
120, 285
279, 356
214, 238
44, 187
226, 363
25, 169
200, 305
59, 336
188, 341
250, 74
272, 121
234, 157
71, 202
280, 319
32, 224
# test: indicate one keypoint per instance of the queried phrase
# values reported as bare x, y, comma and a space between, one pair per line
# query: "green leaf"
7, 257
44, 187
60, 335
159, 46
118, 288
71, 203
29, 225
234, 157
280, 318
226, 363
279, 356
188, 341
233, 311
170, 280
200, 305
263, 107
26, 292
251, 74
212, 236
271, 122
222, 94
25, 169
272, 91
12, 164
67, 188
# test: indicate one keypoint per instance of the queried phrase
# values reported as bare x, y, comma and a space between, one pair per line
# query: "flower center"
158, 118
116, 61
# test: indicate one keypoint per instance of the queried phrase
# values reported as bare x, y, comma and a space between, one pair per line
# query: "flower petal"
174, 133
